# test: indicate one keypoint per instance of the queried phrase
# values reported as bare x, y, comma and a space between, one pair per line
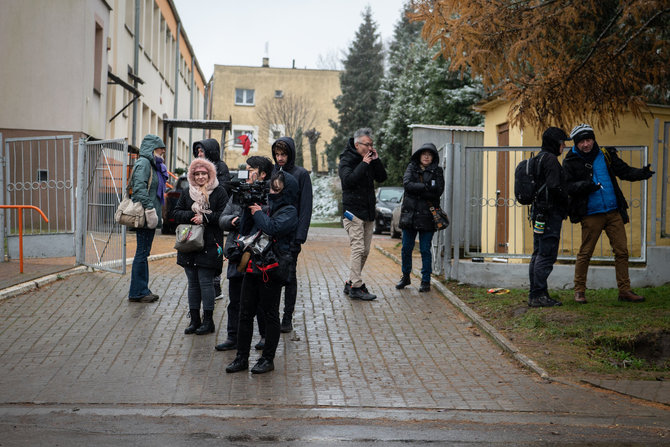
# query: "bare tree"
313, 136
288, 115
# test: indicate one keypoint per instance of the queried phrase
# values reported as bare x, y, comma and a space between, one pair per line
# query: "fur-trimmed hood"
198, 164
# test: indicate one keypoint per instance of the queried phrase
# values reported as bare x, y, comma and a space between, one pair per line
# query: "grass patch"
604, 337
334, 224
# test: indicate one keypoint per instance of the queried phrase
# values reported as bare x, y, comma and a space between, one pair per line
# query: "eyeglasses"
365, 144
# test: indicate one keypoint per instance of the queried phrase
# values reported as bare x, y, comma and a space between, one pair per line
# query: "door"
502, 191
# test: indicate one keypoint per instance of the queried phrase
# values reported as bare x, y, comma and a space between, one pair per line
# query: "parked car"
171, 197
395, 230
388, 199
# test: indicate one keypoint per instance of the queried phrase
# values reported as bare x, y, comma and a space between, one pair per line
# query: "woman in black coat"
424, 184
202, 204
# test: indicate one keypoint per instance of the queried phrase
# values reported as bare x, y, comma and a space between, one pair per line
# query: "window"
279, 93
42, 175
244, 97
130, 16
276, 131
244, 138
97, 57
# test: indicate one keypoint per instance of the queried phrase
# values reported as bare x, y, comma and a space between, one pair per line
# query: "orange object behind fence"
21, 208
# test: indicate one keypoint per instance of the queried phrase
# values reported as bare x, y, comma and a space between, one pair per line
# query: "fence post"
2, 200
80, 222
457, 223
654, 182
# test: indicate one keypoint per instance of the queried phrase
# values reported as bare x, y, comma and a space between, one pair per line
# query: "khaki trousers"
360, 239
592, 227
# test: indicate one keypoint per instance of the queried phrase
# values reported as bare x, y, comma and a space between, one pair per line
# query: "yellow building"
241, 94
505, 221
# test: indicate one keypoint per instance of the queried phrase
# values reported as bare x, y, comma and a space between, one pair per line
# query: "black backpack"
525, 180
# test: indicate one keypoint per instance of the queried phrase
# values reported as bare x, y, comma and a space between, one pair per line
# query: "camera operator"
258, 170
277, 221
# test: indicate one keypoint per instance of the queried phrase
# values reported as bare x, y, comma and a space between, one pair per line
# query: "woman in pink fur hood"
202, 204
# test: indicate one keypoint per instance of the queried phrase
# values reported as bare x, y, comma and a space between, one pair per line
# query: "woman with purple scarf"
148, 187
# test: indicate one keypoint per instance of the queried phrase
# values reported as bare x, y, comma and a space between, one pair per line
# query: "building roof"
446, 127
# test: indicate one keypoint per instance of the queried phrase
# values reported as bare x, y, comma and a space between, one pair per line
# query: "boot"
286, 324
358, 293
227, 345
239, 364
631, 297
262, 366
404, 281
543, 301
425, 287
195, 322
207, 326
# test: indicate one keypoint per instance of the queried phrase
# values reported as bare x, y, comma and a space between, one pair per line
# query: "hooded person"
548, 212
211, 150
598, 204
202, 204
279, 221
283, 153
424, 184
147, 184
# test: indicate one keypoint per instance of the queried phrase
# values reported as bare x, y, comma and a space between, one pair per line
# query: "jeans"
139, 275
267, 295
592, 227
200, 287
545, 251
408, 240
360, 239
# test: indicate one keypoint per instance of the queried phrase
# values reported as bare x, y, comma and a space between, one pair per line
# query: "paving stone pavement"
79, 341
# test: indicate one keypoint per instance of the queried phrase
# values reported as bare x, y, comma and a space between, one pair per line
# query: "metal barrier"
20, 209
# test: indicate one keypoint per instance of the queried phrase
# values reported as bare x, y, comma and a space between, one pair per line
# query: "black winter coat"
423, 189
212, 151
358, 182
208, 257
554, 198
579, 181
230, 212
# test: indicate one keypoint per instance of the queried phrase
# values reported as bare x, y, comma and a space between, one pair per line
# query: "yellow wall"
631, 132
318, 86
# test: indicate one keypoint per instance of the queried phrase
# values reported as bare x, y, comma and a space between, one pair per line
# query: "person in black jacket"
283, 152
359, 169
258, 168
202, 204
279, 221
550, 208
596, 201
424, 184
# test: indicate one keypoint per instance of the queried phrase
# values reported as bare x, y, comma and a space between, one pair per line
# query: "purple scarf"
162, 178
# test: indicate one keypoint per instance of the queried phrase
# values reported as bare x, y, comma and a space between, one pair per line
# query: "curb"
33, 284
497, 337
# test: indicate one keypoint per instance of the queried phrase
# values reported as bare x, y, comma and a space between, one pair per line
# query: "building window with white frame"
276, 131
244, 137
244, 97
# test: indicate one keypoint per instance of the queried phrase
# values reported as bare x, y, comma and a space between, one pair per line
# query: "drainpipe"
173, 155
136, 63
190, 129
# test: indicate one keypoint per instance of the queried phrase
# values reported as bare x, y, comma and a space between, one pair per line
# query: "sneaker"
260, 345
227, 345
359, 293
347, 288
263, 365
239, 364
144, 299
543, 301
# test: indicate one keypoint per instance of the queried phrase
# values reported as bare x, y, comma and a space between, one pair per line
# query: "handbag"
129, 213
189, 238
440, 218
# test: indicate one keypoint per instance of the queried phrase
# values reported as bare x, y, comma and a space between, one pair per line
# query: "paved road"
404, 357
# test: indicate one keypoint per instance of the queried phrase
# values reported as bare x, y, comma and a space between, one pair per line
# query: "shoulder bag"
189, 238
129, 213
440, 218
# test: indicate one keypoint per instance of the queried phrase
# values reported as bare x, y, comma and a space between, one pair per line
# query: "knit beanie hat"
582, 132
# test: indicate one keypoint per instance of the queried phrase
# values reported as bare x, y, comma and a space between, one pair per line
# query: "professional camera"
246, 194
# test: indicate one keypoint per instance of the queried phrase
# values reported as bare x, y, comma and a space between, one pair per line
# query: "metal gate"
38, 171
101, 178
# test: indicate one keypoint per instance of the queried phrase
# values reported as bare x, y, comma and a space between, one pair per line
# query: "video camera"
246, 194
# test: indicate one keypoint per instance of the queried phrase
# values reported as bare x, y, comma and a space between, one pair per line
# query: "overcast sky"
234, 32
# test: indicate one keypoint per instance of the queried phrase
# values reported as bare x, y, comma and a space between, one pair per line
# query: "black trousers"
545, 252
266, 295
233, 309
291, 287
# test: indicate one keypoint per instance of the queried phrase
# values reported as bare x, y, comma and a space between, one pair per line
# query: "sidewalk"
79, 341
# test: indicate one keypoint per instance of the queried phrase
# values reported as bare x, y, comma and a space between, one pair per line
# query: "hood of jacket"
551, 140
199, 163
211, 148
149, 144
288, 195
416, 156
291, 152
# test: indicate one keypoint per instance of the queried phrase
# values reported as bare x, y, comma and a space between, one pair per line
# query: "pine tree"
558, 62
419, 89
360, 82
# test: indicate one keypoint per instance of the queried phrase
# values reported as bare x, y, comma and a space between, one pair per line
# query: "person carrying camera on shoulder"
276, 225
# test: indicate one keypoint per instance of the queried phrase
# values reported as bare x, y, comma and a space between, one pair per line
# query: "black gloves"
648, 172
593, 187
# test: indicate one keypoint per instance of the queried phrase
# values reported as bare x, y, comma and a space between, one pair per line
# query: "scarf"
162, 178
200, 197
